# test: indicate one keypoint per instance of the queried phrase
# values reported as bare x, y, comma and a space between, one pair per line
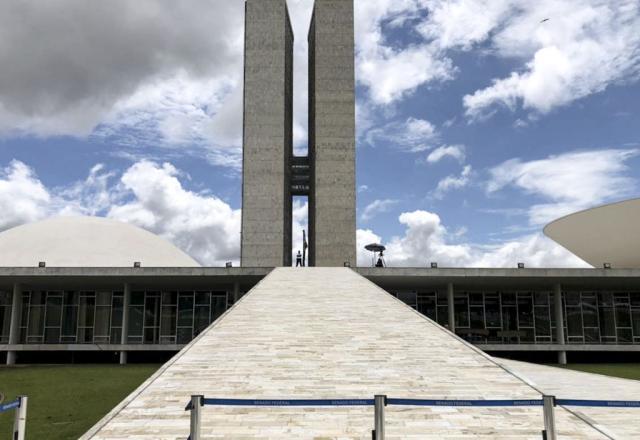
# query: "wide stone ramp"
328, 333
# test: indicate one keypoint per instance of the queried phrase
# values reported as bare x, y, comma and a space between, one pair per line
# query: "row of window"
87, 317
529, 318
175, 317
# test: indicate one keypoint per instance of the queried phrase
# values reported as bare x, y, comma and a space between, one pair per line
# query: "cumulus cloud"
453, 182
377, 207
148, 194
391, 72
570, 181
426, 239
23, 198
456, 152
410, 135
204, 226
583, 48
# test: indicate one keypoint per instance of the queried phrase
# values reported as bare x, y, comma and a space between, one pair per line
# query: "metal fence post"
196, 406
549, 402
380, 402
20, 421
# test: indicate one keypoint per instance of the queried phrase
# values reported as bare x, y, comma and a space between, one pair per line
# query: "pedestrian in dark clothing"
299, 259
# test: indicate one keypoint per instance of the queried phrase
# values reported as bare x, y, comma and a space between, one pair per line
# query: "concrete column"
452, 314
16, 317
125, 321
236, 292
557, 299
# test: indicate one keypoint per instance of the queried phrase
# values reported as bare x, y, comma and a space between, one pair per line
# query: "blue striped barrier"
399, 402
600, 403
9, 406
288, 402
431, 402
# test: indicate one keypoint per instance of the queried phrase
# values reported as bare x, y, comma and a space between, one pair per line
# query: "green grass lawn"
66, 400
627, 371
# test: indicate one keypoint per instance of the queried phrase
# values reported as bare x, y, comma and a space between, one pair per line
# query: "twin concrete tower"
272, 175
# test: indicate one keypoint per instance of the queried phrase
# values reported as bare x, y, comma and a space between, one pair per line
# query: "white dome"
87, 242
605, 234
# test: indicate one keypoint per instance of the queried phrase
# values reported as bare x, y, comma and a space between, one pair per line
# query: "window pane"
54, 311
136, 317
103, 317
218, 304
52, 335
86, 311
461, 310
36, 321
543, 324
427, 305
589, 311
492, 310
201, 319
69, 320
103, 298
203, 298
168, 321
152, 312
184, 335
623, 316
525, 311
409, 298
607, 322
116, 311
574, 321
476, 317
185, 310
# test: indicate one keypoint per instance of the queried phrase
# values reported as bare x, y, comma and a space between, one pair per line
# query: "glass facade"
95, 317
177, 316
5, 316
527, 317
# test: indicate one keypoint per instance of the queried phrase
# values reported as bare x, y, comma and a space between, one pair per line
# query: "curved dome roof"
87, 242
606, 234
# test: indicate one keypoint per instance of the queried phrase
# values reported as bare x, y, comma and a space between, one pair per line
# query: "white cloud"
426, 239
453, 182
147, 194
377, 207
389, 72
81, 64
570, 181
457, 152
584, 47
204, 226
23, 198
411, 135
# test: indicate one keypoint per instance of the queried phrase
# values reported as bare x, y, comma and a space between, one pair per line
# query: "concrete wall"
266, 199
332, 217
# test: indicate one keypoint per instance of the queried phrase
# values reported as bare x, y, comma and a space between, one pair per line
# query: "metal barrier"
20, 421
381, 401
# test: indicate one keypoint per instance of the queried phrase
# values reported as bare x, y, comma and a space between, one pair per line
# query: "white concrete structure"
605, 234
328, 333
87, 242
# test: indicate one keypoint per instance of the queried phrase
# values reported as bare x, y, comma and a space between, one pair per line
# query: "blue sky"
477, 123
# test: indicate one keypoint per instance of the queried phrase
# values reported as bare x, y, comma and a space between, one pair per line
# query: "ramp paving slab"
328, 333
623, 423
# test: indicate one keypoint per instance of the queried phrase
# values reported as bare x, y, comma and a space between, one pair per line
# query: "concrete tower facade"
267, 137
272, 174
332, 198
